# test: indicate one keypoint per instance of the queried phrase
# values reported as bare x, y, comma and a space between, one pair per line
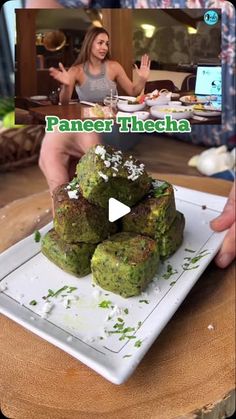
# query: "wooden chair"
159, 84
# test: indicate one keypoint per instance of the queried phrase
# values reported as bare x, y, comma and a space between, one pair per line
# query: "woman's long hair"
85, 51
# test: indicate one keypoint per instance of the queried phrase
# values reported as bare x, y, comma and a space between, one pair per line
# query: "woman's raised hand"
60, 75
144, 70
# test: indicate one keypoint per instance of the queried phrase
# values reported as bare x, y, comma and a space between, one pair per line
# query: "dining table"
188, 373
76, 110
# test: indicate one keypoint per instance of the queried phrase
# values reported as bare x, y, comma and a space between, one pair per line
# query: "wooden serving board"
187, 373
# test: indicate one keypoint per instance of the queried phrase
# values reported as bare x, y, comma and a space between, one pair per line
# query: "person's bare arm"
43, 4
226, 220
67, 80
133, 89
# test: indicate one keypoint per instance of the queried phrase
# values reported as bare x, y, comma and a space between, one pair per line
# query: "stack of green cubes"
83, 240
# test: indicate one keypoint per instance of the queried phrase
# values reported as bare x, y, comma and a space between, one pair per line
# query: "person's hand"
144, 70
226, 221
60, 75
60, 152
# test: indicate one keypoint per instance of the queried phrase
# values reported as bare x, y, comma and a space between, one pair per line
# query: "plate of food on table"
131, 103
206, 110
156, 97
192, 99
177, 111
103, 290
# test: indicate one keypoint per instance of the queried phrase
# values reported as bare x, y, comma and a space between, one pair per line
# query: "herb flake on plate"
105, 304
37, 236
169, 272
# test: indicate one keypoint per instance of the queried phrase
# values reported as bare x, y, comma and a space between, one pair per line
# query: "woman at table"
94, 75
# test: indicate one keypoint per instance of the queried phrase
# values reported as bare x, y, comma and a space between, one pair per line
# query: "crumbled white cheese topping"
107, 163
115, 162
116, 311
134, 170
96, 293
47, 307
103, 176
101, 151
157, 183
73, 194
66, 302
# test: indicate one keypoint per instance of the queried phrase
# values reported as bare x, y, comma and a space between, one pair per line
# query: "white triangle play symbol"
117, 210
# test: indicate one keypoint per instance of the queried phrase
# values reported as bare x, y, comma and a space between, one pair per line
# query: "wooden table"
75, 111
188, 372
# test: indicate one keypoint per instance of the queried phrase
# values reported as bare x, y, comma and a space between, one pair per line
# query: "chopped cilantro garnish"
126, 311
59, 291
169, 272
126, 356
119, 326
186, 268
190, 250
105, 304
33, 303
128, 329
71, 289
160, 190
52, 293
144, 301
120, 319
139, 324
73, 184
191, 261
37, 236
172, 283
138, 343
197, 258
127, 337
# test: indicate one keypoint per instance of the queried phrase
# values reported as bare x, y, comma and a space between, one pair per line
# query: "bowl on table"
129, 104
206, 110
193, 99
177, 112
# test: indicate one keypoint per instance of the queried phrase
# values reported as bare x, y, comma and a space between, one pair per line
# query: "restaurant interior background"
128, 39
176, 40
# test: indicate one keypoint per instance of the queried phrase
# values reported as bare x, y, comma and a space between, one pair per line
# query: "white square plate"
76, 322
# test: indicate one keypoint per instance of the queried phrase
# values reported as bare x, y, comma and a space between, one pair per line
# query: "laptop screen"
208, 80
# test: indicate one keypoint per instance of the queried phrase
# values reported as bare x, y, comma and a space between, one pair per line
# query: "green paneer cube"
76, 219
125, 263
104, 173
169, 242
72, 258
154, 214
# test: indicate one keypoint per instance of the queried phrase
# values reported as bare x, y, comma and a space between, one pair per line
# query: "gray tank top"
96, 87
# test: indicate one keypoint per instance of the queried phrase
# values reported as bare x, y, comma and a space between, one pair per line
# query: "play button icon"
117, 210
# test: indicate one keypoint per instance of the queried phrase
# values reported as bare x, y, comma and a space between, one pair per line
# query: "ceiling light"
97, 23
148, 30
191, 30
